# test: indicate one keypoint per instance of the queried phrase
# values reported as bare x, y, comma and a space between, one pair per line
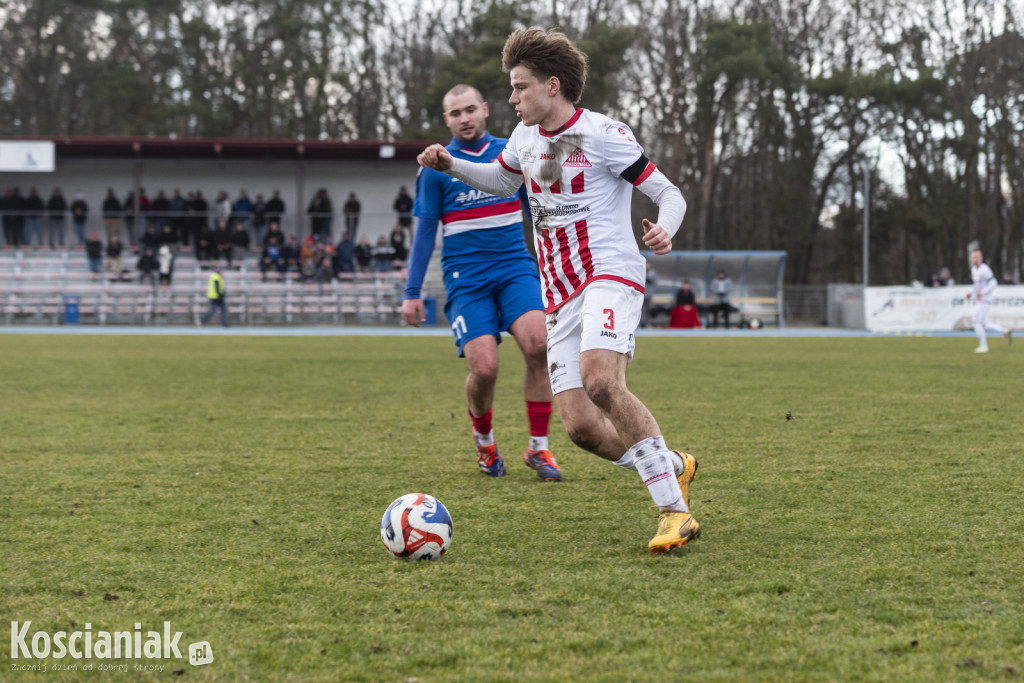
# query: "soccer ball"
416, 527
755, 323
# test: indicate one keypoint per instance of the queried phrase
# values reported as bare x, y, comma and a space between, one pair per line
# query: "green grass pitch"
860, 501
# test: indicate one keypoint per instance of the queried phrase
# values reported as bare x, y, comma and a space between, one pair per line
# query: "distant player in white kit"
984, 286
579, 169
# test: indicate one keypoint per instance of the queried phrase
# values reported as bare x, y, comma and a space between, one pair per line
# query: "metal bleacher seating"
35, 286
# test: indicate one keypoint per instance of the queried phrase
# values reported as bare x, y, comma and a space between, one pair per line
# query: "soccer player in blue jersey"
491, 283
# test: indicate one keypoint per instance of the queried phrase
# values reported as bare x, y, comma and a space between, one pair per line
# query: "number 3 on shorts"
610, 325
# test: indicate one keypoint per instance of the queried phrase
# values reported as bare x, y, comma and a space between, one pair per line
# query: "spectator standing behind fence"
111, 214
56, 207
79, 215
200, 209
147, 266
165, 261
275, 208
403, 209
158, 210
241, 210
176, 215
115, 259
14, 217
94, 253
34, 209
320, 213
216, 293
259, 219
18, 217
221, 208
352, 210
129, 207
9, 218
143, 208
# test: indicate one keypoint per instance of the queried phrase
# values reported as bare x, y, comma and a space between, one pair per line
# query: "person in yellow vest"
217, 295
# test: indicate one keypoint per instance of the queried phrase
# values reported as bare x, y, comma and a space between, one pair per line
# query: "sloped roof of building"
230, 148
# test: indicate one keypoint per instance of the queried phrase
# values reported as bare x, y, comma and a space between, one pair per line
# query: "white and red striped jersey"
579, 180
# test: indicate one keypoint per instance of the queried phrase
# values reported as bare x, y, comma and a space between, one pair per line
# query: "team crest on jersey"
577, 160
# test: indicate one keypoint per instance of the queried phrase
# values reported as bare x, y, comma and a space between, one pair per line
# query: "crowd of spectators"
318, 259
219, 232
29, 220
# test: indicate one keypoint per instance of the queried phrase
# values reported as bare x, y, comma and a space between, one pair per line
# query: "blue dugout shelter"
756, 277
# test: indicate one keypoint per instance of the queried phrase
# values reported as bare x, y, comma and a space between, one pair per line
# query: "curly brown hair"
547, 53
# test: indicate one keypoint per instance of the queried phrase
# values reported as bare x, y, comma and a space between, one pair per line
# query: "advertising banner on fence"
935, 309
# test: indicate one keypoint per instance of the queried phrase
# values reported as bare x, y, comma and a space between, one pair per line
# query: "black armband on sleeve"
631, 174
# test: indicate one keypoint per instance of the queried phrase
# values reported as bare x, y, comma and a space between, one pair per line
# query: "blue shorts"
488, 298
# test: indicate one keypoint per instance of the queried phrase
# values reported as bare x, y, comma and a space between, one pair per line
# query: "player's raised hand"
412, 312
436, 157
656, 237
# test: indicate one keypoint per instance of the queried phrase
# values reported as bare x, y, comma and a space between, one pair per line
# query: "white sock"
484, 439
538, 443
657, 468
626, 461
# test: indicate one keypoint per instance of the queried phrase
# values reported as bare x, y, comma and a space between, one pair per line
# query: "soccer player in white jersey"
984, 287
579, 169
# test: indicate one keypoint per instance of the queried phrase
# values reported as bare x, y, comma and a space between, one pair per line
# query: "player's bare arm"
435, 157
412, 312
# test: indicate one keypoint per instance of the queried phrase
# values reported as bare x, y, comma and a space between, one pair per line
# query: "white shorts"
604, 315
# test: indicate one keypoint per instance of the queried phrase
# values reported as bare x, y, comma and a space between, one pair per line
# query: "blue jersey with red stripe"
477, 228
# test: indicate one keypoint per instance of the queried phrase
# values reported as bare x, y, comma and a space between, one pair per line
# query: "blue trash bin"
71, 302
430, 311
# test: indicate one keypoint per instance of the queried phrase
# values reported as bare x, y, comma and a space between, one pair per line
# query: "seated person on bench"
685, 314
720, 288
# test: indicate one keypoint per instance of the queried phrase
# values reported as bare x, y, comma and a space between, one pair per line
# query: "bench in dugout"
756, 283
